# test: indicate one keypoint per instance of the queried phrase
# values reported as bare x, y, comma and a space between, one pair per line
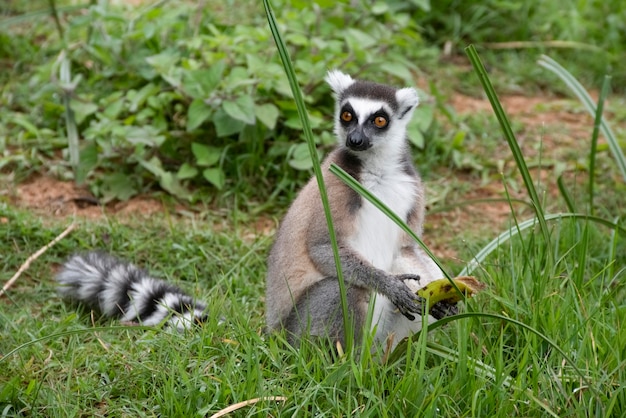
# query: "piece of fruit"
442, 290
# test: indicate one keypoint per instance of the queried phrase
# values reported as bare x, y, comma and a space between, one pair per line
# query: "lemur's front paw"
413, 281
404, 299
442, 309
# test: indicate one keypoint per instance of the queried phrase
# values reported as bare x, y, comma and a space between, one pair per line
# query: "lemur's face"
370, 115
363, 122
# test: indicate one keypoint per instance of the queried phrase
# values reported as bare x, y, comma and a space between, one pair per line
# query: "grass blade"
510, 137
569, 202
480, 366
469, 202
7, 355
506, 235
357, 187
527, 327
308, 134
571, 82
597, 121
68, 86
30, 17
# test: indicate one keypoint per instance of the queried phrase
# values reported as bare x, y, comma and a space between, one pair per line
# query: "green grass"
57, 363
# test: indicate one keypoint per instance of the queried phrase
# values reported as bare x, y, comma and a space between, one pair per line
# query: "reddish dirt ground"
52, 197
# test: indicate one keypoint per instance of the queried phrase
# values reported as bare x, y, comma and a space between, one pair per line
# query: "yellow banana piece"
442, 290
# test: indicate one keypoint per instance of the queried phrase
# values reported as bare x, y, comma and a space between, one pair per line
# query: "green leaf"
588, 103
186, 171
205, 154
138, 98
241, 109
226, 125
197, 113
424, 116
300, 157
268, 114
164, 61
87, 162
514, 146
174, 77
146, 135
397, 69
359, 39
20, 119
379, 8
422, 4
82, 110
199, 84
480, 257
113, 110
169, 182
308, 134
117, 186
153, 165
416, 137
238, 77
215, 176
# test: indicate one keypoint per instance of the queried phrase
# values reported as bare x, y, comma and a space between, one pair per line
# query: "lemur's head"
370, 115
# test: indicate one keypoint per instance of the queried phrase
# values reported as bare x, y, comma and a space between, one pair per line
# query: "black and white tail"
120, 289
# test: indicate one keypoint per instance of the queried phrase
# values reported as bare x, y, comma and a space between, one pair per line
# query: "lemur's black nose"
357, 141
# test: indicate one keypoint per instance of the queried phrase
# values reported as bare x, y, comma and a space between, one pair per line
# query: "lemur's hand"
442, 309
402, 297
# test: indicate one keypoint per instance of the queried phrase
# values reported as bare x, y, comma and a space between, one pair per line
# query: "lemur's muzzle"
357, 140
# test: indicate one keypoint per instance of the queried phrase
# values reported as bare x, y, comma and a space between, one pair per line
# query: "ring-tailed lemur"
378, 259
302, 292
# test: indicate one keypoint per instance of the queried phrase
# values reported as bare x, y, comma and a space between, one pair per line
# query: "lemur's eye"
346, 116
380, 121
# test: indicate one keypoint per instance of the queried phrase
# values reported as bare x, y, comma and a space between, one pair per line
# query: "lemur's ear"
338, 81
408, 100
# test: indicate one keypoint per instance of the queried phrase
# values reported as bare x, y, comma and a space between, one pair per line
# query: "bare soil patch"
50, 197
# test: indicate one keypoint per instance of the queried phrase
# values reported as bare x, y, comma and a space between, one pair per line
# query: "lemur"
379, 261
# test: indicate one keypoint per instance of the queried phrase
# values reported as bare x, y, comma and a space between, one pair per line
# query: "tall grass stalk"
308, 134
494, 244
480, 71
597, 122
363, 192
68, 86
582, 94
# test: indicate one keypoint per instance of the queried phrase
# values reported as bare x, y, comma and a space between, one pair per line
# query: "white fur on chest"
377, 238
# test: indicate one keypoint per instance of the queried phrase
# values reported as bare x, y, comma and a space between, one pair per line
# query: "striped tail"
120, 289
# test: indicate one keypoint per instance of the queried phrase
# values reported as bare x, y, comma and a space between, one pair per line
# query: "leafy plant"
178, 95
589, 35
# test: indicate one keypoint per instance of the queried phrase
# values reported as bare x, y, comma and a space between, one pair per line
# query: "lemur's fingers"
403, 277
442, 291
407, 302
408, 316
442, 309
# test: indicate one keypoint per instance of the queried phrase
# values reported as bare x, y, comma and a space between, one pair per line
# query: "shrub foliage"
182, 94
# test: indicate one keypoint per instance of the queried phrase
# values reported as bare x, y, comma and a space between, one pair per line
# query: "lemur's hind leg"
318, 312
